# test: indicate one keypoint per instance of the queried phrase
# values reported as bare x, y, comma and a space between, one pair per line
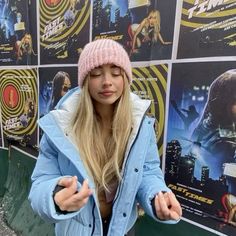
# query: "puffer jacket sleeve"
44, 180
153, 180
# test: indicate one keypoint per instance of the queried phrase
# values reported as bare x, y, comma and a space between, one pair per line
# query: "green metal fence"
15, 171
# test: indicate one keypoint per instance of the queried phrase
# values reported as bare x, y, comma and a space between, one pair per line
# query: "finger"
67, 192
79, 199
73, 204
174, 215
174, 204
158, 208
161, 207
65, 181
85, 191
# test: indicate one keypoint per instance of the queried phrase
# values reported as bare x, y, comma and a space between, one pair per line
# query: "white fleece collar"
67, 109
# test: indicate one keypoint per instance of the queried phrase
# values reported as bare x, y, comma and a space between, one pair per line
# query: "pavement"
4, 229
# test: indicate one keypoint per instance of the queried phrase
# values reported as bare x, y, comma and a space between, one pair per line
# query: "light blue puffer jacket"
58, 157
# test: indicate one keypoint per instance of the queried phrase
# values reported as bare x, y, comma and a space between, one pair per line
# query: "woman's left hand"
167, 206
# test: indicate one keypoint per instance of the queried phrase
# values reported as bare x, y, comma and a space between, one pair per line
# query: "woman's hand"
167, 206
69, 199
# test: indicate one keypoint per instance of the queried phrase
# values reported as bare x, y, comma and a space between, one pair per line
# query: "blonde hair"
22, 43
156, 15
103, 160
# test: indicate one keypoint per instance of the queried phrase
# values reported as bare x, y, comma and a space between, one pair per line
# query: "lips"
106, 93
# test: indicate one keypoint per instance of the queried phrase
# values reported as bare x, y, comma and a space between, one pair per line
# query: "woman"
98, 156
60, 86
147, 31
25, 50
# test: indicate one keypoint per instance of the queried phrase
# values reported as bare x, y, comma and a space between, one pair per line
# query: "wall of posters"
201, 140
183, 58
64, 30
19, 106
209, 26
18, 32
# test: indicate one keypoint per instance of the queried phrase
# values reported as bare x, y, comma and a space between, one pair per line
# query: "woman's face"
106, 84
66, 86
152, 20
27, 39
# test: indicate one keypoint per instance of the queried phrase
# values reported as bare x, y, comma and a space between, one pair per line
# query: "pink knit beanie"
101, 52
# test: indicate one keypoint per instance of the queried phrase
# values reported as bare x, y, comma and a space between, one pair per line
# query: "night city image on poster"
200, 160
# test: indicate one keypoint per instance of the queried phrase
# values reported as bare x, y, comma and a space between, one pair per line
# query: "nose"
107, 79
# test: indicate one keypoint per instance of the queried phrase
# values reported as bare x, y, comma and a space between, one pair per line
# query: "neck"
105, 113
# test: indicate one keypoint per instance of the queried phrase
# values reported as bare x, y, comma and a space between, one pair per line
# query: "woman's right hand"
69, 198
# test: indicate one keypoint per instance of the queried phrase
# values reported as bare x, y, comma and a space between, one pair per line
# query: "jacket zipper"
126, 160
93, 219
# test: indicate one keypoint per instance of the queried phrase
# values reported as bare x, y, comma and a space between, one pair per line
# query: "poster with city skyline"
200, 160
64, 30
144, 28
150, 83
207, 29
18, 33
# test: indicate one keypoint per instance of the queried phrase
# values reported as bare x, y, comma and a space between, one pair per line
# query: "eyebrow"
112, 66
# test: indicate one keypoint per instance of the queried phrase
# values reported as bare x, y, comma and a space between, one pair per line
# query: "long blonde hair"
103, 160
155, 14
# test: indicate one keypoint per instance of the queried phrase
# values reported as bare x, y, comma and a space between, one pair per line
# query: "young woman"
98, 156
25, 50
60, 86
147, 31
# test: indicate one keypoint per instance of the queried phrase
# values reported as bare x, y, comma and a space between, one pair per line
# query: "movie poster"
18, 32
54, 83
144, 28
19, 105
207, 29
200, 160
64, 30
150, 83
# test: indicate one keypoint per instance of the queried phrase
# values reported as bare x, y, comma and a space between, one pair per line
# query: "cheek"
119, 83
92, 87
